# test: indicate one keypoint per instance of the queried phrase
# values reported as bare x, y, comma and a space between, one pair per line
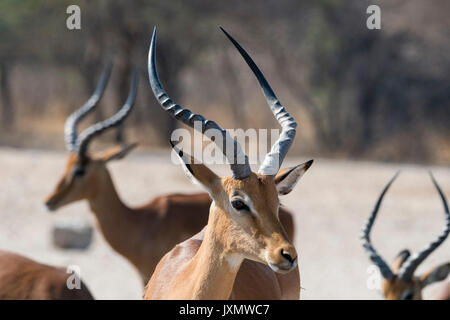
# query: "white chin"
274, 267
277, 269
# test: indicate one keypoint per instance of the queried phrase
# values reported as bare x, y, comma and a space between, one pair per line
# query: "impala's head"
84, 172
396, 288
244, 211
399, 282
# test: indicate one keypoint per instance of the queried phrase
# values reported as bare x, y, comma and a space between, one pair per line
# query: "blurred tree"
11, 35
363, 89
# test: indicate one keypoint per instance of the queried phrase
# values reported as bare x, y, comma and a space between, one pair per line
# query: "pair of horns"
79, 143
408, 267
229, 146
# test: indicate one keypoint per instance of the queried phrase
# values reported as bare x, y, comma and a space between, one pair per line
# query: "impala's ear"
198, 173
437, 274
286, 179
399, 260
116, 153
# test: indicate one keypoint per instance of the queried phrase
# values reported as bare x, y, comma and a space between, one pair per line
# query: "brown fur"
199, 268
25, 279
254, 280
144, 234
396, 289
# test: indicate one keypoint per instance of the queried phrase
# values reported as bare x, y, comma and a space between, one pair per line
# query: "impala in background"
24, 279
399, 281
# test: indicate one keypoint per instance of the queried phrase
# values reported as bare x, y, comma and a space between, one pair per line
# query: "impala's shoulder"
13, 259
179, 204
181, 199
186, 249
3, 254
170, 265
164, 203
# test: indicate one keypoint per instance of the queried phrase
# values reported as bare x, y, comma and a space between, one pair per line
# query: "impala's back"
25, 279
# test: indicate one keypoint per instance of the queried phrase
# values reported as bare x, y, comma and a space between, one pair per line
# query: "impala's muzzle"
283, 259
55, 198
51, 203
50, 206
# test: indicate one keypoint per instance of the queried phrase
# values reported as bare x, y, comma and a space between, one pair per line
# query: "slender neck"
114, 218
213, 269
106, 196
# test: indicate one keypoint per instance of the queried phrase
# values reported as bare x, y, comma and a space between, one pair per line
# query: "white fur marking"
249, 202
234, 260
190, 175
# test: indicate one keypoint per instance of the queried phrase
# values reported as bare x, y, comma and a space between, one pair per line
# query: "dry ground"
330, 204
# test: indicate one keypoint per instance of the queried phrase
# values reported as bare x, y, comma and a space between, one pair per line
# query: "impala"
144, 234
243, 225
399, 281
24, 279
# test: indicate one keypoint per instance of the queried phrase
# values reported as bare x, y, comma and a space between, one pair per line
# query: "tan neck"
212, 271
115, 219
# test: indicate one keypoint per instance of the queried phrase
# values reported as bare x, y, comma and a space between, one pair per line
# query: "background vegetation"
358, 93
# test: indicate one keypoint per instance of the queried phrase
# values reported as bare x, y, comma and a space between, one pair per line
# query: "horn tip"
308, 164
394, 177
226, 33
153, 36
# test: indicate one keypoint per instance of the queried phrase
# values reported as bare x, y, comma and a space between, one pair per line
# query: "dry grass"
330, 205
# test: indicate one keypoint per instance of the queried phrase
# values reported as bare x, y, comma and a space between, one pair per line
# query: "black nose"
287, 256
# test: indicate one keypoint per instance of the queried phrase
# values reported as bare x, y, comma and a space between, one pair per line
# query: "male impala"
24, 279
399, 281
144, 234
243, 220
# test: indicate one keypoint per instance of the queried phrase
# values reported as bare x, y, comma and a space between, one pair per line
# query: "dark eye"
408, 295
239, 205
78, 171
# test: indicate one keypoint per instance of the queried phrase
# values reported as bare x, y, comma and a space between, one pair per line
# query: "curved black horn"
273, 160
365, 235
96, 129
70, 129
406, 272
230, 147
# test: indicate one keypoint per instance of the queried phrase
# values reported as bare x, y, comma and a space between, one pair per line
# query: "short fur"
24, 279
143, 234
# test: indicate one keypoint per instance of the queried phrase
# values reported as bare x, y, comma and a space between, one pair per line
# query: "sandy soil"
330, 204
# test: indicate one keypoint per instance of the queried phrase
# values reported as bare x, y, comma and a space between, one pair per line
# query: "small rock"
72, 235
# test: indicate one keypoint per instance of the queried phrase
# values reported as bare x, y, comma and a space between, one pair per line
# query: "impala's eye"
78, 171
239, 205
